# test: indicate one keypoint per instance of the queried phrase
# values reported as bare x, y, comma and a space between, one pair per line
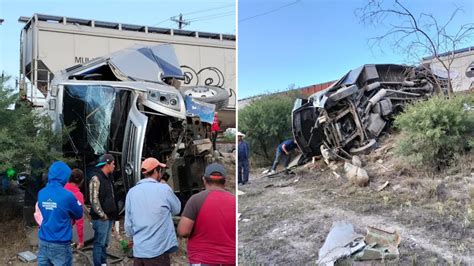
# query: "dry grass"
439, 204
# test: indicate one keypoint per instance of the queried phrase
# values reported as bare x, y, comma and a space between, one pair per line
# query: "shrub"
436, 131
229, 136
24, 133
266, 123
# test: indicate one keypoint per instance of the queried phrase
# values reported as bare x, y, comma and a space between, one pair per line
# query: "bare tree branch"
412, 34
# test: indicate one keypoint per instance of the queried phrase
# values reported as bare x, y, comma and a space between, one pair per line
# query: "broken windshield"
89, 111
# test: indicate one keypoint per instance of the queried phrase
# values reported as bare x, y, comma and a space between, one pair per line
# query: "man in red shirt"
208, 220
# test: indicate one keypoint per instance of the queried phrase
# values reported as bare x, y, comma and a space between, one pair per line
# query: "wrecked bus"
128, 103
347, 117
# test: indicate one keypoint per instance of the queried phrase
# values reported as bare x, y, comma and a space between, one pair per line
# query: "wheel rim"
365, 147
200, 92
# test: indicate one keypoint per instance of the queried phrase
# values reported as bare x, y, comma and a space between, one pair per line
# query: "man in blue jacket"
58, 206
149, 207
283, 150
243, 159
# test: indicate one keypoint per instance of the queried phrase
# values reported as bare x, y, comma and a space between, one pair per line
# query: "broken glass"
92, 113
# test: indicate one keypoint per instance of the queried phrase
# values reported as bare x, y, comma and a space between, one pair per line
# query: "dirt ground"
13, 234
286, 219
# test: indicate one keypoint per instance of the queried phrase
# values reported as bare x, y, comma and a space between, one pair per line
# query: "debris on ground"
333, 166
357, 175
240, 193
27, 256
433, 219
382, 187
342, 241
356, 161
381, 245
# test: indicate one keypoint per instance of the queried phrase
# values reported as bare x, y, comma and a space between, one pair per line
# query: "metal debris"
342, 241
381, 244
27, 256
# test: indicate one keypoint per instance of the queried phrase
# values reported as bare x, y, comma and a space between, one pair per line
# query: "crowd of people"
208, 219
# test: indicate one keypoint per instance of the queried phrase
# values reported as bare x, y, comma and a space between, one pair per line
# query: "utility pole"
180, 21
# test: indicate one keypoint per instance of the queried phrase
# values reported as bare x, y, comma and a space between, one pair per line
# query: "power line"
163, 21
218, 15
196, 12
271, 11
213, 17
210, 9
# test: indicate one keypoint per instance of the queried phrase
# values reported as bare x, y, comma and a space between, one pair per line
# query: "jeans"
102, 230
214, 139
54, 253
243, 174
279, 154
163, 259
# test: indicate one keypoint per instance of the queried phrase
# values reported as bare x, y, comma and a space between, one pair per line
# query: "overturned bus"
347, 117
128, 104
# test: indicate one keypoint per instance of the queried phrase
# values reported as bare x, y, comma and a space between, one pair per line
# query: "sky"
280, 42
308, 42
217, 16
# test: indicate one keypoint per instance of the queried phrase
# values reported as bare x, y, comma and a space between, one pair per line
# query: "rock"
356, 161
362, 177
356, 175
351, 171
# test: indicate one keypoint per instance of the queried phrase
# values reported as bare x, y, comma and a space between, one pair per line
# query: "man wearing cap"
57, 207
208, 220
149, 207
104, 207
243, 159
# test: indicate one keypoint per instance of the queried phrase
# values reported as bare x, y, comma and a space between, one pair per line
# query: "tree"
24, 133
417, 35
266, 122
